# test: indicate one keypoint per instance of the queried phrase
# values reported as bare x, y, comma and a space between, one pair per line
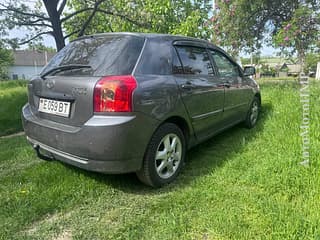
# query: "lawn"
242, 184
13, 95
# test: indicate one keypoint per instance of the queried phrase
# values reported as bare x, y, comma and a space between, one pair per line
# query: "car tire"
253, 113
164, 156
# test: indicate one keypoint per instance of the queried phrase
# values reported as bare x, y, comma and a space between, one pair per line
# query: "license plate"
54, 107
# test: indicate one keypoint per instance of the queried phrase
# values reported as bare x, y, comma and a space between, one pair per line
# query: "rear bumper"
109, 144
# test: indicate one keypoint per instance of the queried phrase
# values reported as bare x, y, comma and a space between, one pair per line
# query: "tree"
50, 17
301, 33
162, 16
242, 24
312, 60
6, 59
19, 14
47, 17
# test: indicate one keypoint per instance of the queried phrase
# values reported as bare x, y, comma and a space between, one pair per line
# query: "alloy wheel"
168, 156
254, 112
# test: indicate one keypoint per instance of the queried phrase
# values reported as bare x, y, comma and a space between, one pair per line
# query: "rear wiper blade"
64, 67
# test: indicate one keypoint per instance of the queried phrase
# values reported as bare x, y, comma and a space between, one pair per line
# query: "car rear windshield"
103, 55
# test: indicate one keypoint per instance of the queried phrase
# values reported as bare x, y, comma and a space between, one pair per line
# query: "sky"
47, 39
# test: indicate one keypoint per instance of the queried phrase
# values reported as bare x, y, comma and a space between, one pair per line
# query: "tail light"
114, 94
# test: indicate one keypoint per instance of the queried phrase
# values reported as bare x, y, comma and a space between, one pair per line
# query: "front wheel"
253, 113
164, 156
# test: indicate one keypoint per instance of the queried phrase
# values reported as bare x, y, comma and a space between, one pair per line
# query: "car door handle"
188, 86
227, 84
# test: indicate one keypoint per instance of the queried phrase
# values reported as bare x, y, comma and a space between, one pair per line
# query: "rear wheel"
164, 156
253, 113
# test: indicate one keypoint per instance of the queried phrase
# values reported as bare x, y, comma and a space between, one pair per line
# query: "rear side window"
105, 55
176, 64
195, 60
156, 58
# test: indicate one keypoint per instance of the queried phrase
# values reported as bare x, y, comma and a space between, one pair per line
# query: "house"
275, 65
28, 63
290, 69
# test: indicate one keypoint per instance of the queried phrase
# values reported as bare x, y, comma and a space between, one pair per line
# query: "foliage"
312, 60
300, 33
39, 18
163, 16
242, 24
245, 61
47, 17
6, 59
266, 70
40, 47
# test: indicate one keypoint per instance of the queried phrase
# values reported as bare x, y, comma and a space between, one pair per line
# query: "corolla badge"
79, 91
50, 84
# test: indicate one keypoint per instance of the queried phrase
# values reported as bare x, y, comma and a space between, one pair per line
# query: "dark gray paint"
116, 142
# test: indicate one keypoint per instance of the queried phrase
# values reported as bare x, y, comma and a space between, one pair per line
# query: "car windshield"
104, 55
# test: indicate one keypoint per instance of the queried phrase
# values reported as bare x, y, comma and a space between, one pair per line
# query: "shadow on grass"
11, 102
201, 160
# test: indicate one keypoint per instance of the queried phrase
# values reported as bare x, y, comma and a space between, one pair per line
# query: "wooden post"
318, 71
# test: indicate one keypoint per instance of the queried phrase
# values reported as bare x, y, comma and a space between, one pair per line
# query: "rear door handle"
227, 84
188, 86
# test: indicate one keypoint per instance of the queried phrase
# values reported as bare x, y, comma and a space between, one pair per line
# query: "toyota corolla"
126, 102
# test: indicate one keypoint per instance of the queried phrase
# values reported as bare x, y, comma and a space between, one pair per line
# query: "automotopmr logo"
305, 121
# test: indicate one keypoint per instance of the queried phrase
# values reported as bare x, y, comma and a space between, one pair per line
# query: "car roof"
166, 37
180, 39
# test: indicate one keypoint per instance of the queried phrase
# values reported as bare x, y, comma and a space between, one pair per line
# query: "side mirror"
249, 71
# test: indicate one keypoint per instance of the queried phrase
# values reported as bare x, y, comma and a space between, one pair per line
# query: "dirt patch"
13, 135
50, 219
65, 235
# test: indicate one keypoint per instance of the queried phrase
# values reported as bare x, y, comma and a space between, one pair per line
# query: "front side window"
226, 68
195, 60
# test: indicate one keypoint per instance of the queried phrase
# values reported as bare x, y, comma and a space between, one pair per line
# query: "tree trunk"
51, 7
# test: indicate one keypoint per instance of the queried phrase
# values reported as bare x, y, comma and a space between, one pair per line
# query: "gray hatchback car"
127, 102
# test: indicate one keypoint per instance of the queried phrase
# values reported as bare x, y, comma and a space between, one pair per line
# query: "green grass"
13, 95
265, 79
242, 184
282, 79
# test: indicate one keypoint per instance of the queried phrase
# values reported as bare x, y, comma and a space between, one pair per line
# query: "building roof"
31, 58
292, 68
275, 65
